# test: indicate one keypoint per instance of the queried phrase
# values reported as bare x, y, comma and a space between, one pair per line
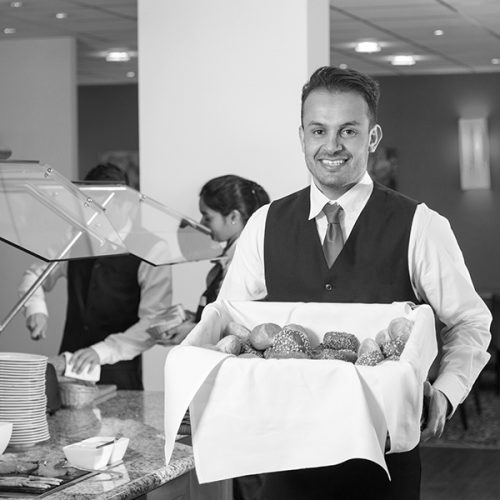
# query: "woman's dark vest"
371, 268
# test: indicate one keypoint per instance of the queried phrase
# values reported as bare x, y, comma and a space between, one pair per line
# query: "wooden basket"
77, 395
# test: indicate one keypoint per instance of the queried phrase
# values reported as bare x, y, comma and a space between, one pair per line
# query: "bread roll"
340, 354
247, 348
400, 328
382, 336
234, 328
370, 358
368, 345
230, 345
292, 338
393, 348
273, 354
341, 340
261, 337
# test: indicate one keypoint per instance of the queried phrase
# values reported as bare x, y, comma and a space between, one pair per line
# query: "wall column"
219, 93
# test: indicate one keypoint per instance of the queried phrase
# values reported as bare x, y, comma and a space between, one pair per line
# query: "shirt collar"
349, 201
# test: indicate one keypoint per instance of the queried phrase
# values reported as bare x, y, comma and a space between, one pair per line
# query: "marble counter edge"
182, 461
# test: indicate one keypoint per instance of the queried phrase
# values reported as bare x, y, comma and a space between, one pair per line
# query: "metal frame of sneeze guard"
44, 214
153, 232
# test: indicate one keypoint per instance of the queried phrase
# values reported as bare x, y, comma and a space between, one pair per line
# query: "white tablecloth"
256, 415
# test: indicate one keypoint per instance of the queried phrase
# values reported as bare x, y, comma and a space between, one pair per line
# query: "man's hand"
37, 324
177, 334
84, 359
436, 406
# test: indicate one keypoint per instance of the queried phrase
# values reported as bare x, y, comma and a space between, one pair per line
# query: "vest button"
329, 287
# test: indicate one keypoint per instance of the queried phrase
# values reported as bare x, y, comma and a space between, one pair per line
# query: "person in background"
226, 203
395, 249
111, 302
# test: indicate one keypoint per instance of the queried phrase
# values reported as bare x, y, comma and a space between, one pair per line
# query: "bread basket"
75, 395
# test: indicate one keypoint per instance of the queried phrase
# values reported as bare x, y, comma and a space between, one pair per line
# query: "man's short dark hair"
108, 172
334, 79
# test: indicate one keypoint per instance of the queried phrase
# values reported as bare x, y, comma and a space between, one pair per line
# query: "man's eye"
318, 132
348, 132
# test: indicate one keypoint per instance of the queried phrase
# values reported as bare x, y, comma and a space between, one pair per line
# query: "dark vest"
103, 298
371, 268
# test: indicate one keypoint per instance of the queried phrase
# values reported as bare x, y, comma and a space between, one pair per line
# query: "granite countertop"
134, 414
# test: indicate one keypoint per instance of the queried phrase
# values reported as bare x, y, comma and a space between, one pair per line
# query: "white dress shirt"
437, 272
156, 296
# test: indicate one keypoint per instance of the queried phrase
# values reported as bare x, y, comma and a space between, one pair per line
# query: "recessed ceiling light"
403, 60
9, 31
495, 60
130, 74
367, 47
61, 15
16, 5
343, 66
117, 56
439, 32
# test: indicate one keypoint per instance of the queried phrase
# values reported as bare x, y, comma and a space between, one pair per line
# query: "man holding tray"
386, 247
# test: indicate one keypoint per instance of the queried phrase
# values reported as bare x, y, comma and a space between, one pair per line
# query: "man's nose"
333, 143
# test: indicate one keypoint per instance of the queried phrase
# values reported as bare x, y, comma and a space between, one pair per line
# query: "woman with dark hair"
226, 203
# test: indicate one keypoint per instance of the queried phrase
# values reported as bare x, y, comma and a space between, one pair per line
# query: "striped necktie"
334, 239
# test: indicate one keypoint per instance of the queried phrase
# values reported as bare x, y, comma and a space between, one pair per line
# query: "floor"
460, 474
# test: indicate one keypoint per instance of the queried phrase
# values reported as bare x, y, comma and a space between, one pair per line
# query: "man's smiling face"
336, 137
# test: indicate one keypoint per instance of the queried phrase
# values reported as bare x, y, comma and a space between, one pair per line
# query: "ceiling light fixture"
61, 15
343, 66
403, 60
16, 5
118, 56
367, 47
130, 74
438, 32
495, 60
9, 31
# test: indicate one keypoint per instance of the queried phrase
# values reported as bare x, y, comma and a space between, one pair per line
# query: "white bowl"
86, 455
119, 449
5, 434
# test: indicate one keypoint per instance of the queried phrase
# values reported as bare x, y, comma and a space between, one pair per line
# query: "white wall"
38, 109
219, 92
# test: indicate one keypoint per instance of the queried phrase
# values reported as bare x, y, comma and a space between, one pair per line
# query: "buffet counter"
143, 474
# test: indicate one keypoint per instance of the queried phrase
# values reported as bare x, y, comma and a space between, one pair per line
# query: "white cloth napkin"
92, 375
255, 416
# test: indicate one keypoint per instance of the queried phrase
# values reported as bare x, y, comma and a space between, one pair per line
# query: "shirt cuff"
452, 388
36, 308
102, 351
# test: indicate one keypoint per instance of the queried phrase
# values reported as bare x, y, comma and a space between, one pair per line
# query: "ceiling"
469, 43
97, 25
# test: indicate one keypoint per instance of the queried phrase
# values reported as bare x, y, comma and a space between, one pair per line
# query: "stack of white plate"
22, 397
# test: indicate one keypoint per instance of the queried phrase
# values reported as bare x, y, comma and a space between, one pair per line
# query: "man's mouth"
333, 163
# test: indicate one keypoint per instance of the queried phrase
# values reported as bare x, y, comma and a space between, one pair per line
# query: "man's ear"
375, 138
301, 136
